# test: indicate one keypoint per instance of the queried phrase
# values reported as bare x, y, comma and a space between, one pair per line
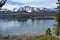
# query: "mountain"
4, 10
30, 10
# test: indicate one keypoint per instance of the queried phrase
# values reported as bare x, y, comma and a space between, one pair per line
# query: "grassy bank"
46, 37
29, 37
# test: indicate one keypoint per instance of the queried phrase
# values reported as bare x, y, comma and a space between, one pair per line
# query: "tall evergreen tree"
58, 19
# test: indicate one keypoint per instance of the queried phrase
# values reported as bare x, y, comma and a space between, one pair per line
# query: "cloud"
28, 1
20, 0
42, 3
35, 3
10, 7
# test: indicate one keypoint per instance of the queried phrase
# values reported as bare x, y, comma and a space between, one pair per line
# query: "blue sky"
10, 4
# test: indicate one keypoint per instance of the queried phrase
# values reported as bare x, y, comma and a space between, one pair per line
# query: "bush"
46, 37
48, 31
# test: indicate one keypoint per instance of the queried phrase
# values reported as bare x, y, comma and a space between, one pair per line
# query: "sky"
10, 4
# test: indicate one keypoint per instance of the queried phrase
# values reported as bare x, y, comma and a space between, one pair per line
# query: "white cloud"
48, 3
10, 7
43, 3
35, 3
26, 1
19, 0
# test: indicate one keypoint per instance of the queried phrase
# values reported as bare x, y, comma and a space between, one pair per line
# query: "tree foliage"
48, 31
57, 18
2, 2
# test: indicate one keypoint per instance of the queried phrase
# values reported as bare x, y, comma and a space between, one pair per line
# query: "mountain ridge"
30, 10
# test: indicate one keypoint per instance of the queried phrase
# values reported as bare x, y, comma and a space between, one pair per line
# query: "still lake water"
17, 27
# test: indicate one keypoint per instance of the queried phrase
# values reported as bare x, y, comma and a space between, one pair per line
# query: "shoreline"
28, 37
17, 37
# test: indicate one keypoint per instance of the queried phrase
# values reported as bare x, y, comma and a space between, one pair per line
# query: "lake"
25, 26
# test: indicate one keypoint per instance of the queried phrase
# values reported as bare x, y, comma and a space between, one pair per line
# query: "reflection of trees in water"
14, 19
22, 19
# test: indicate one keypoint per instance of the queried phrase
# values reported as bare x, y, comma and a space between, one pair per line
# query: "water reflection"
22, 26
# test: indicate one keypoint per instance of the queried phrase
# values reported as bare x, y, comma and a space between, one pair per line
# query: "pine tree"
57, 17
48, 31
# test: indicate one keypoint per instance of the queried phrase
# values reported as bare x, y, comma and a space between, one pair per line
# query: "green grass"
46, 37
